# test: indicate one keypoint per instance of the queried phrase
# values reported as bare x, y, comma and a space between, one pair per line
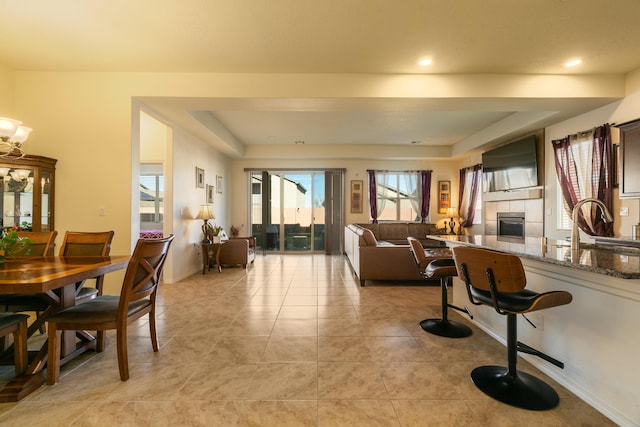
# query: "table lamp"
205, 213
452, 213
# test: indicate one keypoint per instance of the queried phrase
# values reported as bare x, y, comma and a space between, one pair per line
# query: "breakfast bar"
596, 335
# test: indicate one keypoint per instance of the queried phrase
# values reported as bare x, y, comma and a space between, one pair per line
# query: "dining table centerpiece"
12, 244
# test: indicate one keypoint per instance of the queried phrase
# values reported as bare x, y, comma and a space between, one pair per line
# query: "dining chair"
77, 243
16, 324
107, 312
41, 244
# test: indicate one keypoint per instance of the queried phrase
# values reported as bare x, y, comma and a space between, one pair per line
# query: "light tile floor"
293, 341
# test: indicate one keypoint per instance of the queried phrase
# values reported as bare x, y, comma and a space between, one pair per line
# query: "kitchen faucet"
575, 234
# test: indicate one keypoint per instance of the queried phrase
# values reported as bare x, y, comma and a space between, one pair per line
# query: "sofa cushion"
393, 231
421, 230
369, 238
374, 227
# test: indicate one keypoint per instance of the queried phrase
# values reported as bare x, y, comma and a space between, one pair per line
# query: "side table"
206, 249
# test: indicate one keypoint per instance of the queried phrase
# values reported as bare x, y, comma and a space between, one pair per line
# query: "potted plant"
11, 244
213, 232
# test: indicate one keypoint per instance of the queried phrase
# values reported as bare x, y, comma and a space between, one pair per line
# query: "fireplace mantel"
496, 196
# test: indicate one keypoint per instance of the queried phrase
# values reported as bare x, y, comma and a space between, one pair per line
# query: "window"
397, 193
151, 199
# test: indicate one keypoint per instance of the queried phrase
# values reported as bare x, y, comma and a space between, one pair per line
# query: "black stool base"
445, 328
520, 390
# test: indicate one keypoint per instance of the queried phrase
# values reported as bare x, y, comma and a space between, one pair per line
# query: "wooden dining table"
57, 280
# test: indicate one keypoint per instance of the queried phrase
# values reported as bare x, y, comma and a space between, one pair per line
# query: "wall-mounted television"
512, 166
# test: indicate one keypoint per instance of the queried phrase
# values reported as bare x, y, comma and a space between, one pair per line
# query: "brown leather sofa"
238, 250
381, 251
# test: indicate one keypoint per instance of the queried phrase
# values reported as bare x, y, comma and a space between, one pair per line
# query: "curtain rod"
581, 133
295, 170
402, 171
586, 132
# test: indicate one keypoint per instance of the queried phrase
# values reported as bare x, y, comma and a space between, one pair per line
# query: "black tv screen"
512, 166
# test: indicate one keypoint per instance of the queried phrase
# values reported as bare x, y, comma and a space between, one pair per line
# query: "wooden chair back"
42, 243
474, 265
418, 255
143, 273
76, 243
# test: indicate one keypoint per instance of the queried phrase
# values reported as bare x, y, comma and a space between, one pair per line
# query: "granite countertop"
609, 259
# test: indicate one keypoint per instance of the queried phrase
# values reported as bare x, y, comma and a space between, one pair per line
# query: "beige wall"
6, 92
154, 135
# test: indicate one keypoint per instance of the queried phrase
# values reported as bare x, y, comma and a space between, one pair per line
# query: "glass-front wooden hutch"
27, 197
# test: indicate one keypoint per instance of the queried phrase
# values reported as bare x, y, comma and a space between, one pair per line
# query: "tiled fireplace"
511, 224
531, 211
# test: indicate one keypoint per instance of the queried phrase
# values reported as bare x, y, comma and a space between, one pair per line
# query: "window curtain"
378, 192
425, 183
586, 176
468, 194
373, 197
418, 185
414, 191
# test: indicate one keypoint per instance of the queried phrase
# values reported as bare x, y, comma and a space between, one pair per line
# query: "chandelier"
12, 136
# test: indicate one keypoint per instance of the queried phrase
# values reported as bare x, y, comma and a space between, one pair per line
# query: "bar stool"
498, 280
442, 268
16, 324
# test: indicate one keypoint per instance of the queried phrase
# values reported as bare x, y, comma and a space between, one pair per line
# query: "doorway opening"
296, 211
151, 200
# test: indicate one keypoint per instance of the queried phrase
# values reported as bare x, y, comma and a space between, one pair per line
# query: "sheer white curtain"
469, 192
583, 155
414, 190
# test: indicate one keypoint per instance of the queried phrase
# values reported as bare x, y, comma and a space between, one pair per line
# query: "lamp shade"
8, 127
205, 212
452, 212
20, 174
21, 134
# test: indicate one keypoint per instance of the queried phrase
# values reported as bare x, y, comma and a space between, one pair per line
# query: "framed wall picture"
210, 192
199, 177
219, 184
356, 196
444, 196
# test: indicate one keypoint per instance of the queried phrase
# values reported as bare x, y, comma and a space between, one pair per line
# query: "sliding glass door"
288, 211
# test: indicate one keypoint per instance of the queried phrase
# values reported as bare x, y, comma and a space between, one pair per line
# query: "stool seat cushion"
441, 268
524, 301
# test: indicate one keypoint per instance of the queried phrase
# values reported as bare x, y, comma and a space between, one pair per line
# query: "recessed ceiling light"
573, 63
425, 62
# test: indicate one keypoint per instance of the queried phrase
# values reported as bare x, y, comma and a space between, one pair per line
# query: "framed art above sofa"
356, 196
